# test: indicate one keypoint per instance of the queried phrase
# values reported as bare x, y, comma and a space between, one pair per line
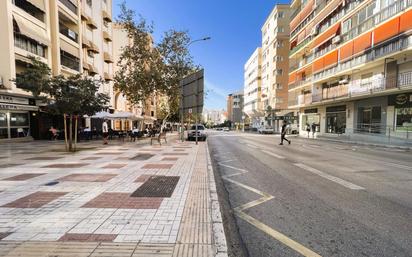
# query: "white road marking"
259, 225
273, 154
253, 146
398, 165
337, 180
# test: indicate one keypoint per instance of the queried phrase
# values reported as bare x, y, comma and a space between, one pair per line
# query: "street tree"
71, 97
147, 69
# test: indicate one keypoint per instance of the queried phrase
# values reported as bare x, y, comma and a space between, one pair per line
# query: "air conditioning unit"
314, 31
336, 39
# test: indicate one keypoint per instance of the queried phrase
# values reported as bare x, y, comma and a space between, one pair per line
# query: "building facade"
275, 61
252, 90
71, 36
235, 105
351, 67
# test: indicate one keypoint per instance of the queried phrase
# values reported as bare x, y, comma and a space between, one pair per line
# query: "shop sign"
285, 118
13, 99
18, 107
401, 100
314, 110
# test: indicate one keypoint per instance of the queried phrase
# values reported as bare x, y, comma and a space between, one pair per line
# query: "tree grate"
142, 157
157, 186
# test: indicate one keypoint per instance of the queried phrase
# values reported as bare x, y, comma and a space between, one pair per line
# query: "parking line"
337, 180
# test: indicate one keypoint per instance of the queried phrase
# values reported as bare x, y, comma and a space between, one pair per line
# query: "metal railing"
300, 83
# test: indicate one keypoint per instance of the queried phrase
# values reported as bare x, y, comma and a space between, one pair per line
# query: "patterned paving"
123, 201
157, 166
23, 177
35, 200
88, 177
66, 165
91, 212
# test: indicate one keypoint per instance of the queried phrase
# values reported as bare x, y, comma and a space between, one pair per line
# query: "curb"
219, 238
366, 143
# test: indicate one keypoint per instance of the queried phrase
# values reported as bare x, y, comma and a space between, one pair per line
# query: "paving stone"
176, 154
170, 159
91, 158
123, 201
35, 200
44, 158
88, 177
143, 178
23, 177
88, 237
66, 165
114, 166
157, 166
157, 186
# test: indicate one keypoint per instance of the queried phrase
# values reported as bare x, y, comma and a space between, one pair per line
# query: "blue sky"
234, 26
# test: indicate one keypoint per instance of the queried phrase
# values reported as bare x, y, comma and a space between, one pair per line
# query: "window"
29, 45
279, 86
278, 72
281, 14
152, 113
361, 16
280, 44
346, 26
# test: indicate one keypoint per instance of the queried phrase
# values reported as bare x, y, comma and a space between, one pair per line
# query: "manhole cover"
142, 157
52, 183
157, 186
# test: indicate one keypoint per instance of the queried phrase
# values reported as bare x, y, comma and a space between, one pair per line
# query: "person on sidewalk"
105, 130
308, 129
283, 133
313, 129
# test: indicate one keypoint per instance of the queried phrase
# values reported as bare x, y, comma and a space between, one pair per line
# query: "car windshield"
198, 127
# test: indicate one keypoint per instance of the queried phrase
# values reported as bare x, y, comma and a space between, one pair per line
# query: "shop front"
336, 119
15, 116
403, 111
311, 118
371, 115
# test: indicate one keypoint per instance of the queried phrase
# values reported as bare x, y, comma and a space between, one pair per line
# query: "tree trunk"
65, 132
71, 133
75, 131
164, 122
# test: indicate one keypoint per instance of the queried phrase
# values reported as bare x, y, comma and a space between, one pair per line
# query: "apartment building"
351, 67
275, 60
235, 108
71, 36
253, 106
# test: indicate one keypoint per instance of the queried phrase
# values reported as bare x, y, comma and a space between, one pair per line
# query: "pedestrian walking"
53, 133
283, 133
105, 130
308, 129
313, 129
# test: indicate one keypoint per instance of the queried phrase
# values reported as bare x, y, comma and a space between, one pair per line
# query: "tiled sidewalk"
119, 200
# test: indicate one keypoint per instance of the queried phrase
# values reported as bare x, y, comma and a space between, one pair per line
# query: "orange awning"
386, 31
325, 36
318, 65
331, 59
292, 77
308, 9
346, 51
362, 43
406, 21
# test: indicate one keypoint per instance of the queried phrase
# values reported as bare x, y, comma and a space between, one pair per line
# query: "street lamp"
182, 116
243, 121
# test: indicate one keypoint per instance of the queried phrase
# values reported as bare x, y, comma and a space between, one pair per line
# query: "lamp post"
243, 121
182, 110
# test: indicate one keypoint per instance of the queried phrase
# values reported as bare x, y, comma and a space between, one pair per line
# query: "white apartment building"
253, 106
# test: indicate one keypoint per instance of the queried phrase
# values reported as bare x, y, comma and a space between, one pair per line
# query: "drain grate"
142, 157
157, 186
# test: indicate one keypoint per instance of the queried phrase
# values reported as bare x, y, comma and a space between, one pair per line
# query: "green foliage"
146, 68
35, 78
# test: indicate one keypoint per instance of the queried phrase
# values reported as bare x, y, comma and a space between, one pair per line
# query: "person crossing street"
283, 133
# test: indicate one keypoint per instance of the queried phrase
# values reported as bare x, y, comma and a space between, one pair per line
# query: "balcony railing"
69, 61
381, 51
302, 62
300, 46
300, 83
72, 7
377, 18
68, 33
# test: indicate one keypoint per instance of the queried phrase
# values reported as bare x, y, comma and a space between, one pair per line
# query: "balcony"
107, 36
300, 46
302, 62
94, 48
301, 83
91, 23
107, 57
69, 61
86, 43
72, 7
68, 33
106, 16
108, 77
373, 54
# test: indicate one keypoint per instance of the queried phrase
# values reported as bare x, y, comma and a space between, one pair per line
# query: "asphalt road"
313, 198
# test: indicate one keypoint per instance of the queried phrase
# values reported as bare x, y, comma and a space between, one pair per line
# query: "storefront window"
3, 120
309, 119
336, 119
369, 120
404, 119
19, 120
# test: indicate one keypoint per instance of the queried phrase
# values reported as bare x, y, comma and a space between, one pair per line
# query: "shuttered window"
386, 31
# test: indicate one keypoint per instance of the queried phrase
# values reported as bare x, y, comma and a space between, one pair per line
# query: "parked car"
226, 129
219, 129
265, 130
201, 134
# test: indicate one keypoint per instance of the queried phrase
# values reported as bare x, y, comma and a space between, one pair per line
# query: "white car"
265, 130
226, 129
201, 134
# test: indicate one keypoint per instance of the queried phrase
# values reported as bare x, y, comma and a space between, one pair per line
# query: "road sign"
192, 88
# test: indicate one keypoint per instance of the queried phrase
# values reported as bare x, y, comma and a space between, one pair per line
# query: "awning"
100, 115
69, 48
31, 30
38, 3
123, 116
325, 36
